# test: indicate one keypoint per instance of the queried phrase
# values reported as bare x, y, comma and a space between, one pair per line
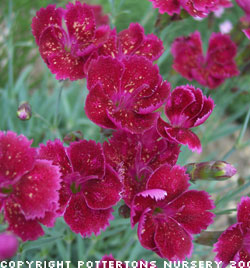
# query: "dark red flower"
165, 6
65, 51
90, 187
125, 93
201, 8
196, 8
132, 41
210, 71
234, 243
186, 108
135, 157
169, 214
24, 182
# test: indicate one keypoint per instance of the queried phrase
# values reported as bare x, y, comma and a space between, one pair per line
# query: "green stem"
243, 130
90, 248
226, 211
68, 246
10, 50
238, 144
58, 105
148, 16
208, 238
42, 118
113, 12
228, 154
121, 4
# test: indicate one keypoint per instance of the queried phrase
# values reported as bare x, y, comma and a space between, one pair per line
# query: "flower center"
139, 178
158, 210
7, 190
75, 188
67, 48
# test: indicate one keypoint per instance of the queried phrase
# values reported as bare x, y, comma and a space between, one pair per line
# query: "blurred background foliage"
58, 108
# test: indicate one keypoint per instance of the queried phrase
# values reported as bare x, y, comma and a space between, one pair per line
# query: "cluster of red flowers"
196, 8
210, 71
68, 51
84, 181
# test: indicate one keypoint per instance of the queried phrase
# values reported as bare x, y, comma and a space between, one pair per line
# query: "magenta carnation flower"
186, 108
234, 244
125, 93
210, 71
132, 41
90, 187
135, 157
169, 214
8, 246
65, 51
196, 8
24, 182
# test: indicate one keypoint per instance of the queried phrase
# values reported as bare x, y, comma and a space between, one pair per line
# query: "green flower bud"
213, 170
124, 211
24, 111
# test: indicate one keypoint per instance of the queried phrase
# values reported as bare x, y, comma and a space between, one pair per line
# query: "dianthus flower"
90, 187
8, 245
245, 5
186, 108
132, 41
135, 157
24, 183
169, 214
65, 51
233, 244
108, 261
125, 93
210, 71
196, 8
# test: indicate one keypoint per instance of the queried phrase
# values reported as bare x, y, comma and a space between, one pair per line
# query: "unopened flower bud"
73, 136
124, 211
24, 111
213, 170
8, 245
